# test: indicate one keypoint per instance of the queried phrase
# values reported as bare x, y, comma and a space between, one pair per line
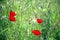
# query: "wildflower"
12, 16
39, 20
36, 32
12, 13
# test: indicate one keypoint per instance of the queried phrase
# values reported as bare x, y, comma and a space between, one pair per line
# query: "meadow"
27, 11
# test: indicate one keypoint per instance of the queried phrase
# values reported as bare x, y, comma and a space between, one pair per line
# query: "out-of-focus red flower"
12, 13
12, 18
39, 20
36, 32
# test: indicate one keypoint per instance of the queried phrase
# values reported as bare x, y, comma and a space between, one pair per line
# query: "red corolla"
12, 13
39, 20
12, 16
36, 32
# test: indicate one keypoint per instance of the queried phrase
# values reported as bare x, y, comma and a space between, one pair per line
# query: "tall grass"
27, 11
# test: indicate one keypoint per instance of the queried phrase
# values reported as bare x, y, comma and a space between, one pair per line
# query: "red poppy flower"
36, 32
12, 18
12, 13
39, 20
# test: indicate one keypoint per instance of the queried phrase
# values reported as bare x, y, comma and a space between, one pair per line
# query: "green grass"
27, 11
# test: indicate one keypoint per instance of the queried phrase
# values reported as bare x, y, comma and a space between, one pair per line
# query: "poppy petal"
12, 18
12, 13
39, 20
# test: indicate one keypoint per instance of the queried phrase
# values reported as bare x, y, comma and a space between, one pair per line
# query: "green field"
27, 11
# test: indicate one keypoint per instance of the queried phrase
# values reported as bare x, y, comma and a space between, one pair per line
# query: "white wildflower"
3, 17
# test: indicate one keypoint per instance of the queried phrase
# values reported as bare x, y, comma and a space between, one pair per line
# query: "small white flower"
3, 17
34, 20
3, 6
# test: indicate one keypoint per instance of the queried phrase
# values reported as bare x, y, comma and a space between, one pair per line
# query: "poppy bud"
39, 20
36, 32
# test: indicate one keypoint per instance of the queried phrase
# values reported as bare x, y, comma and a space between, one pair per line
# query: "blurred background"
27, 11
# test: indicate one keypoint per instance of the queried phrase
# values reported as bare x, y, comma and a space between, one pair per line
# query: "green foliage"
27, 11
